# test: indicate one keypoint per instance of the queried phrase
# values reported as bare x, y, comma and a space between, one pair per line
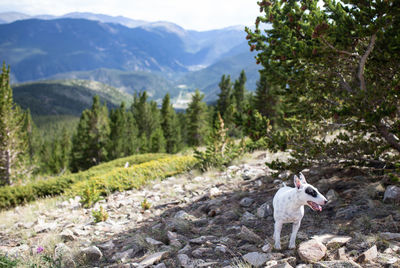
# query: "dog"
289, 204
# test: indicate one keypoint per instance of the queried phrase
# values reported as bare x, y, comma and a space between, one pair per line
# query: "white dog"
289, 207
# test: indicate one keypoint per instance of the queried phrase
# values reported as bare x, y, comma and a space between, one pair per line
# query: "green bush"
11, 196
5, 262
134, 177
100, 215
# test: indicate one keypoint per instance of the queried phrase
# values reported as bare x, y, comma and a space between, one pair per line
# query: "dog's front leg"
295, 229
277, 234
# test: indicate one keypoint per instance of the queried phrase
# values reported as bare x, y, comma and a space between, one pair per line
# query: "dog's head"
308, 194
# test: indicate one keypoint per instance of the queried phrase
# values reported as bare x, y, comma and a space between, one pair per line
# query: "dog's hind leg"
277, 234
295, 229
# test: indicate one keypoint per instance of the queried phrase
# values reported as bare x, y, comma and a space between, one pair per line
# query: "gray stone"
255, 258
184, 260
266, 248
247, 217
336, 264
264, 210
107, 246
200, 240
392, 194
153, 242
123, 256
247, 235
18, 252
390, 236
220, 249
160, 265
154, 258
67, 235
182, 215
92, 254
332, 195
341, 254
185, 250
311, 251
201, 252
368, 255
61, 251
246, 202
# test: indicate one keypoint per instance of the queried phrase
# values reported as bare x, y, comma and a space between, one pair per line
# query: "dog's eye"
311, 192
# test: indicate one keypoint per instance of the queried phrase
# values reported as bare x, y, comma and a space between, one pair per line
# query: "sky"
192, 15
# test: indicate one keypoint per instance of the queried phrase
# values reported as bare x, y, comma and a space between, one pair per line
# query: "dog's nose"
326, 201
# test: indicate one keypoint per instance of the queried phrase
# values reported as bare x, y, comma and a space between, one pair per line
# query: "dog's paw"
292, 246
277, 247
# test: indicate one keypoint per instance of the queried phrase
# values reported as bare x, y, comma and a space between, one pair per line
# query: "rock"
200, 240
122, 256
246, 202
185, 250
153, 258
256, 259
153, 242
341, 254
18, 252
336, 264
248, 235
284, 175
92, 254
184, 260
200, 252
43, 227
368, 255
311, 251
264, 211
347, 213
67, 235
332, 195
247, 217
266, 248
221, 249
61, 250
160, 265
107, 246
182, 215
390, 236
392, 194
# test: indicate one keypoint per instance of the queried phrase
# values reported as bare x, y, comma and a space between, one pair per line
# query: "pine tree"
65, 143
131, 140
91, 140
169, 125
118, 132
13, 142
196, 120
157, 141
224, 97
264, 101
239, 91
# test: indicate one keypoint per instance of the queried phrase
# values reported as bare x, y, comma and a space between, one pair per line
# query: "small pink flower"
39, 249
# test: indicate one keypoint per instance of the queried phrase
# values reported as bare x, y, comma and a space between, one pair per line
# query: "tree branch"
339, 51
383, 129
363, 60
344, 84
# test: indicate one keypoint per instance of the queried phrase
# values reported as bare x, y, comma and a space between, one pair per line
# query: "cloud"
190, 14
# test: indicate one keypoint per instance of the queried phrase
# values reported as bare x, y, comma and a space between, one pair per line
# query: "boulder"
255, 258
153, 258
311, 251
264, 210
392, 194
368, 255
92, 254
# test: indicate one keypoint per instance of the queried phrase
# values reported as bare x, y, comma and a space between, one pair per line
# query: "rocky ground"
216, 219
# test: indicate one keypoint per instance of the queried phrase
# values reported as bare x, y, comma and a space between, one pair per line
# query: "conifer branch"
363, 60
339, 51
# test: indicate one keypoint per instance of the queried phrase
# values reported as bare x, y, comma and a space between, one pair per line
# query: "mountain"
130, 82
130, 55
65, 97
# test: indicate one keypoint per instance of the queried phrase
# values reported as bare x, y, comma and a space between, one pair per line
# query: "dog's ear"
297, 182
302, 178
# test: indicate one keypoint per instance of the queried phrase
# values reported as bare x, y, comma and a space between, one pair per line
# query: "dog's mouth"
314, 206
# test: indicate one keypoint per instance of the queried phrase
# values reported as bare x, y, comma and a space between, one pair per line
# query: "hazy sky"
190, 14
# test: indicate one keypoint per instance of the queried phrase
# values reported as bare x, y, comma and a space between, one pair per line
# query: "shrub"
11, 196
100, 215
5, 262
220, 150
134, 177
145, 204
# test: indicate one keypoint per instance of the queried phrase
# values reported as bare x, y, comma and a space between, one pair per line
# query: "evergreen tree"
157, 141
65, 144
239, 91
118, 132
13, 143
131, 140
264, 101
91, 140
196, 120
224, 97
169, 125
337, 69
29, 129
